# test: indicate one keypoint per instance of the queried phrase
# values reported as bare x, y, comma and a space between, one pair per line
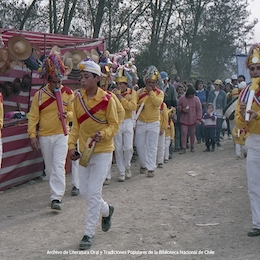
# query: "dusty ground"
175, 215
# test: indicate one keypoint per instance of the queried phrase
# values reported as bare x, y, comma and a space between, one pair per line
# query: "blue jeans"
218, 129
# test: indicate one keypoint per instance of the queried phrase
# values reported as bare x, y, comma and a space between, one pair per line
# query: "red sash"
101, 105
52, 98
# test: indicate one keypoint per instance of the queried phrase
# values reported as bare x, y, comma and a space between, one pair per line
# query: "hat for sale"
19, 47
76, 55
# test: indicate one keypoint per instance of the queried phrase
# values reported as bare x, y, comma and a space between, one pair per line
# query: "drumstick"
249, 104
57, 94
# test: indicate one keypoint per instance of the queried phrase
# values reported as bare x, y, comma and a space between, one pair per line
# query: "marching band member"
52, 140
148, 122
120, 112
161, 138
169, 133
245, 109
95, 116
124, 138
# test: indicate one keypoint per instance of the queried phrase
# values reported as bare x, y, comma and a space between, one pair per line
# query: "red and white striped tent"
20, 163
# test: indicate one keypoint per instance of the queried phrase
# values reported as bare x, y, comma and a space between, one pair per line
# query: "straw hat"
94, 55
68, 64
76, 55
87, 53
19, 47
3, 59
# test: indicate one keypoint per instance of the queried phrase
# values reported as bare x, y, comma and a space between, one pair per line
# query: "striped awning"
45, 41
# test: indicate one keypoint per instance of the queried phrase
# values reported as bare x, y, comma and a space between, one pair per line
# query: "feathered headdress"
52, 66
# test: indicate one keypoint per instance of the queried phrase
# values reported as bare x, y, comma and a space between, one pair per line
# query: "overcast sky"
254, 7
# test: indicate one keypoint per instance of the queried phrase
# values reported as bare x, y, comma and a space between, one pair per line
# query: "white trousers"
167, 145
161, 148
1, 152
90, 187
253, 176
75, 173
124, 146
54, 150
146, 141
240, 149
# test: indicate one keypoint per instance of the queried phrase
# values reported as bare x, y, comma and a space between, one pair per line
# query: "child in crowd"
169, 133
209, 119
240, 136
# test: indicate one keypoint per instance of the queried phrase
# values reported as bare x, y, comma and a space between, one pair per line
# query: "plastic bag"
224, 124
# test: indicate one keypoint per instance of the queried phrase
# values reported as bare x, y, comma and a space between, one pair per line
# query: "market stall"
19, 82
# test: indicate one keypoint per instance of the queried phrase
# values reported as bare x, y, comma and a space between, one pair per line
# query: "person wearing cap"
148, 123
124, 138
219, 100
95, 117
51, 140
1, 126
234, 80
190, 110
253, 127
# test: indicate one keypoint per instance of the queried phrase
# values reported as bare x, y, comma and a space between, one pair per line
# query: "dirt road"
196, 207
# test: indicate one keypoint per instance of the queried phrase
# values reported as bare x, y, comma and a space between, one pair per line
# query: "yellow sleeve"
156, 99
70, 108
131, 104
74, 133
164, 118
239, 120
113, 121
33, 116
119, 108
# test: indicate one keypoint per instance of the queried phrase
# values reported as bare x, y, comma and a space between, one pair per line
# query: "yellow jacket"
129, 102
49, 122
119, 107
152, 100
241, 137
170, 131
163, 116
254, 126
89, 127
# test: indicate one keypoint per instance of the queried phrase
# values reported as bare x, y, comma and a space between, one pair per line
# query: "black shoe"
56, 204
207, 150
86, 242
212, 149
254, 232
218, 144
74, 191
106, 221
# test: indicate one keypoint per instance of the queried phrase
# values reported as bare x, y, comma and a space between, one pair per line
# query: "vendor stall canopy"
29, 46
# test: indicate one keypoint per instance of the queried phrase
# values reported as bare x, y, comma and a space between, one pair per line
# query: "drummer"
95, 116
